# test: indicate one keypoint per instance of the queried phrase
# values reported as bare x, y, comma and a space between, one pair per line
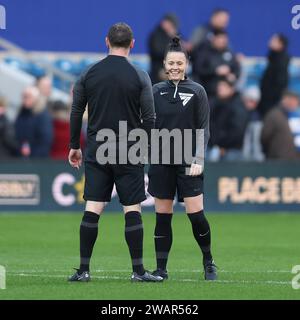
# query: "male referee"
114, 90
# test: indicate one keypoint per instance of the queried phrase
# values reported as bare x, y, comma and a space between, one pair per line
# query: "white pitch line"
172, 270
271, 282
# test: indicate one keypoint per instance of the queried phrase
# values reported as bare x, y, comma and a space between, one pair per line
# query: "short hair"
175, 46
283, 39
291, 93
171, 17
219, 32
230, 83
120, 35
41, 77
219, 10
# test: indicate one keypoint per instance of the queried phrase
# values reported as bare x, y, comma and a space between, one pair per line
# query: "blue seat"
259, 68
65, 65
63, 85
250, 81
294, 70
294, 85
36, 70
17, 63
85, 63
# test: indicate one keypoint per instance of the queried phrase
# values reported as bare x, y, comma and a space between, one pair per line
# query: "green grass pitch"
255, 254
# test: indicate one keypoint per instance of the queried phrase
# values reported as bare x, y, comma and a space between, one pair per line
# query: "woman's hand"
196, 169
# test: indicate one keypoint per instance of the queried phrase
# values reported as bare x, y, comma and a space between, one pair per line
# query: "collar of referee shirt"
173, 84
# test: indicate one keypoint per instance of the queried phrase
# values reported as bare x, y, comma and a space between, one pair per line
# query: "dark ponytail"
175, 46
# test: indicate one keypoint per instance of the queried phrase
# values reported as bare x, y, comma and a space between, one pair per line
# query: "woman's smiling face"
175, 65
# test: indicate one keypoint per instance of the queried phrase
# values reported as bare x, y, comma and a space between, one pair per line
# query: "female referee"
180, 103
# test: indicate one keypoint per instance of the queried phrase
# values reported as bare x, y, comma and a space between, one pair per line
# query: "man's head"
278, 42
219, 40
220, 19
225, 89
170, 24
251, 97
30, 97
44, 84
120, 36
290, 101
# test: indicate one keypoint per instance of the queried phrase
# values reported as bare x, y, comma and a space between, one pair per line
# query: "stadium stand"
73, 64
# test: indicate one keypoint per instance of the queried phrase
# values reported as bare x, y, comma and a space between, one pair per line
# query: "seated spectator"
219, 21
275, 78
33, 126
215, 61
158, 42
61, 129
252, 150
8, 144
228, 122
280, 135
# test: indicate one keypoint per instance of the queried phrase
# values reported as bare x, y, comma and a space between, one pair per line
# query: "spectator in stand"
219, 21
275, 77
229, 119
8, 144
61, 131
158, 42
33, 126
280, 135
252, 149
215, 61
44, 84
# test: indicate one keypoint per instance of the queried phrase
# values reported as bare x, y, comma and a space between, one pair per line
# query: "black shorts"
100, 180
166, 180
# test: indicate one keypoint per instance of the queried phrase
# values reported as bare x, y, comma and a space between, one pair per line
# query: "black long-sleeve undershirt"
113, 90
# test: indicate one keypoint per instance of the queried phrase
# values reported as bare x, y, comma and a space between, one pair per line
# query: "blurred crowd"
252, 124
42, 126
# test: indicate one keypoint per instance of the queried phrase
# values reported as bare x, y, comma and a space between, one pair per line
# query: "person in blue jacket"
34, 129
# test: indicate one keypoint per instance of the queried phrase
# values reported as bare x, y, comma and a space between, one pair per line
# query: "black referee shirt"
114, 90
182, 106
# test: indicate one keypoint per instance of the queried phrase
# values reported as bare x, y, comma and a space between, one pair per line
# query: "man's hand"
196, 169
75, 158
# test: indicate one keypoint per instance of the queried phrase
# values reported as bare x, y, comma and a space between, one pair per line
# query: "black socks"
134, 238
134, 234
201, 231
88, 236
163, 238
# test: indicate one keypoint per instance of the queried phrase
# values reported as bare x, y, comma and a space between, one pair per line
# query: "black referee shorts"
166, 180
100, 179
